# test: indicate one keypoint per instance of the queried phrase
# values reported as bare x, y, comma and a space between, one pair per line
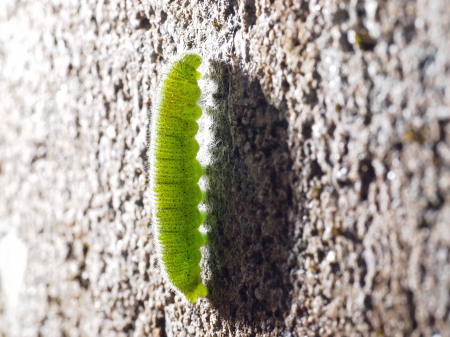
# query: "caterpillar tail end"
199, 291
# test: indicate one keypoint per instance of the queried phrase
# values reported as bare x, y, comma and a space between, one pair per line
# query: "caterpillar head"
193, 60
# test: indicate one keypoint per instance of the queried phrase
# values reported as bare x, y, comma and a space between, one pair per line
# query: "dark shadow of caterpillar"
249, 197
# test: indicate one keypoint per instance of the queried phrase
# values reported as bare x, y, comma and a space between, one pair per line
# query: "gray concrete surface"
327, 132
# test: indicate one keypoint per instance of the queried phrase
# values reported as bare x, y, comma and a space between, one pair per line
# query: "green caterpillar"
174, 175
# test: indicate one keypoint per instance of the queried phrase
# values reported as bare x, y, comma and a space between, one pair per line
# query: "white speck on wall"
13, 262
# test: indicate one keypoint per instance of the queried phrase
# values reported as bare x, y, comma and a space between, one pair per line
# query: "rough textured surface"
329, 176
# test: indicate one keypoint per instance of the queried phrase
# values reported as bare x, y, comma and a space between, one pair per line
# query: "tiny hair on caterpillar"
174, 175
